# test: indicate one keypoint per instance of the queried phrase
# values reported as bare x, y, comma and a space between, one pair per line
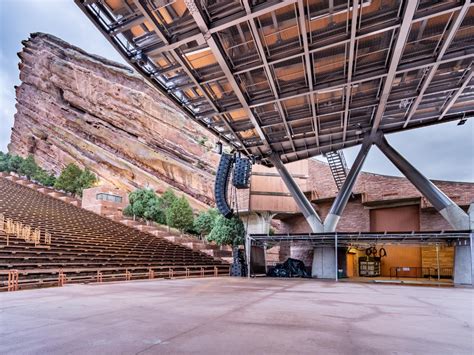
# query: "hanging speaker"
222, 182
242, 170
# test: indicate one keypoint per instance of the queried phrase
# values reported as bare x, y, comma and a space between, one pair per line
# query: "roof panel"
299, 77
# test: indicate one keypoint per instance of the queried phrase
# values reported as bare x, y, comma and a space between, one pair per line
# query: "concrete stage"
237, 316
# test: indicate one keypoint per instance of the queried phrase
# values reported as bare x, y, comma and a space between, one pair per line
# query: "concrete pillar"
464, 257
332, 219
258, 222
442, 203
303, 203
324, 263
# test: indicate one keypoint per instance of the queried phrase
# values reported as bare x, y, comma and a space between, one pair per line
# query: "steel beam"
442, 203
308, 65
444, 47
219, 56
301, 200
350, 65
187, 70
359, 81
457, 93
270, 78
397, 52
342, 197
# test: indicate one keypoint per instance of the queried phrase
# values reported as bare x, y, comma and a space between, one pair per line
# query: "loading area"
423, 258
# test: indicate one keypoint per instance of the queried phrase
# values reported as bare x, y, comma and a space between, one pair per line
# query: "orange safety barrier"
12, 280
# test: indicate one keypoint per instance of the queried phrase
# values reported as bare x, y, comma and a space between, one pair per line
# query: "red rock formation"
76, 107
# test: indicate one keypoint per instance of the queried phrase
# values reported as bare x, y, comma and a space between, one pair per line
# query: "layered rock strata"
76, 107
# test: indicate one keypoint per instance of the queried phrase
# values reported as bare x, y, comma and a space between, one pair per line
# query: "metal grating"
300, 77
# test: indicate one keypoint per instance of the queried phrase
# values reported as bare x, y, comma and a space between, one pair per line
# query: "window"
109, 197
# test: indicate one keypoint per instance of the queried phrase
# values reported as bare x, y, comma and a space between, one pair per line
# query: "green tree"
44, 178
69, 179
144, 203
168, 198
205, 221
155, 211
128, 211
227, 231
86, 180
14, 163
4, 162
28, 167
180, 215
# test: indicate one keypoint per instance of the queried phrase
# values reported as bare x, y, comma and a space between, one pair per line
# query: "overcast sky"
440, 152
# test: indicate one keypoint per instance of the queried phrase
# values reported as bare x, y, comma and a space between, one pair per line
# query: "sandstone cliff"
77, 107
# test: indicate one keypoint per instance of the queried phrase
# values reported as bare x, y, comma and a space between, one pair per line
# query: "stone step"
178, 239
217, 253
115, 217
199, 245
228, 259
157, 233
129, 222
145, 228
22, 181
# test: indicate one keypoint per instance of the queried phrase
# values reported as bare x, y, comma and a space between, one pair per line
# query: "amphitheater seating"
86, 247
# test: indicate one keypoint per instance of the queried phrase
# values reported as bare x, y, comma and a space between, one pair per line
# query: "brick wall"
375, 187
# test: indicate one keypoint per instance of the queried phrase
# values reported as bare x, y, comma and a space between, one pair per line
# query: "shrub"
227, 231
205, 221
75, 180
86, 180
180, 215
14, 163
44, 178
69, 178
28, 167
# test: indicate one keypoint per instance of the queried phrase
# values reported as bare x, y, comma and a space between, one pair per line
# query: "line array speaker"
242, 170
222, 182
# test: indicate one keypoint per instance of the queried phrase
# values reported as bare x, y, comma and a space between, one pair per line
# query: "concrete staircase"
171, 234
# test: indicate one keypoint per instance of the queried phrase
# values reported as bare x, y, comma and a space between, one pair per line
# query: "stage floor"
237, 316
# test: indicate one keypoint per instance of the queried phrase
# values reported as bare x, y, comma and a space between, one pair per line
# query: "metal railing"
60, 277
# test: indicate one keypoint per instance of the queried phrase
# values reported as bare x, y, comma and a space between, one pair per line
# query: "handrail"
145, 267
96, 274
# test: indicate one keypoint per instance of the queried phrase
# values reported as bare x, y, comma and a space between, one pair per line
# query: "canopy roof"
300, 77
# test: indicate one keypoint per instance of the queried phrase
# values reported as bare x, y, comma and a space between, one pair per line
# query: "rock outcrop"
76, 107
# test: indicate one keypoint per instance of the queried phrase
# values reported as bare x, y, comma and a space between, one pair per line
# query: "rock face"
81, 108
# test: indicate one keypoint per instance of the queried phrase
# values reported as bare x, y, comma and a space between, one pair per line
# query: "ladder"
338, 166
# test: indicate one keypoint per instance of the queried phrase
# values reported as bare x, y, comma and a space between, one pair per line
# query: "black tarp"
290, 268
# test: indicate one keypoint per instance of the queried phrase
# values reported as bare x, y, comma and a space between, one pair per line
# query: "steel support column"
442, 203
342, 197
303, 203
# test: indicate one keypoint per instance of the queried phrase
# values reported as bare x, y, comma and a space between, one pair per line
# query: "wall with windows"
104, 200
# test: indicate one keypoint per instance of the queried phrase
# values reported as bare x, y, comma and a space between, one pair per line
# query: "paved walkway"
237, 316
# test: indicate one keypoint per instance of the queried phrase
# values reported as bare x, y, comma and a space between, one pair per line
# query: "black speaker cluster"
238, 267
242, 167
242, 170
222, 182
